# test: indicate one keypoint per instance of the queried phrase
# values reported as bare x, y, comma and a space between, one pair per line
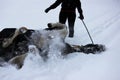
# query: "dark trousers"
71, 16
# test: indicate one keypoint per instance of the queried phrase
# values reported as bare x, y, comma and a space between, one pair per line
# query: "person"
68, 11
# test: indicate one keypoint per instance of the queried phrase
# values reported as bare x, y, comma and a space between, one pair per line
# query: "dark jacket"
68, 5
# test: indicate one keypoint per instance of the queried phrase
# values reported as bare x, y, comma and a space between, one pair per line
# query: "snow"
102, 18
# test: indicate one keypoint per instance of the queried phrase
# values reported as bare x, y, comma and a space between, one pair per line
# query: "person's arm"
54, 5
80, 9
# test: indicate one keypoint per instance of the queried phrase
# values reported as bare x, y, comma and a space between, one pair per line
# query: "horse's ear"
49, 25
23, 30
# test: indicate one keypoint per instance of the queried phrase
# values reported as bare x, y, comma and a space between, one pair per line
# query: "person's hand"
81, 16
47, 10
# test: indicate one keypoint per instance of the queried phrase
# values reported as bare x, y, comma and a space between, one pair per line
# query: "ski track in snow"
101, 25
107, 23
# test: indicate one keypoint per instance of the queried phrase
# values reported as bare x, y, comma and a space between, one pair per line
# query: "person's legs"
71, 22
62, 17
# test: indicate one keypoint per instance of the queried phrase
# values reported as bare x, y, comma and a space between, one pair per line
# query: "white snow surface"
102, 18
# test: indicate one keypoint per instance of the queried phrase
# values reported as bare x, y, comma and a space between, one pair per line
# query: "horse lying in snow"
43, 41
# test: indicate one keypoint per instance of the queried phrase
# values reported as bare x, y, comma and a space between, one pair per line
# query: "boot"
71, 34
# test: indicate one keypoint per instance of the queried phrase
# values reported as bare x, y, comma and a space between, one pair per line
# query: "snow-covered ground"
103, 20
